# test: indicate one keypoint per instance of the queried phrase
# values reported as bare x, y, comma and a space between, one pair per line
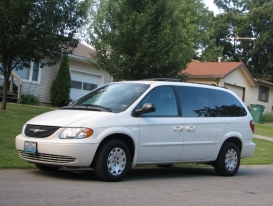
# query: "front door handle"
177, 128
190, 128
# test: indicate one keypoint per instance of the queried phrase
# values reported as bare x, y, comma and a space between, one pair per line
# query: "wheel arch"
236, 140
123, 137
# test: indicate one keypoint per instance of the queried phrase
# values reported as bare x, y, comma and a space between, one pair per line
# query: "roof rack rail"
164, 79
179, 80
204, 83
208, 84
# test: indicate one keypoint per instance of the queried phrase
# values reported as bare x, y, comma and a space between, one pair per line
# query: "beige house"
236, 77
36, 80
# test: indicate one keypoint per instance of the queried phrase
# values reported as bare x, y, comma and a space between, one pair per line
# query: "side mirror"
147, 108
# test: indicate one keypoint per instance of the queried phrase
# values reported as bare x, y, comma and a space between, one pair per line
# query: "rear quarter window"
227, 105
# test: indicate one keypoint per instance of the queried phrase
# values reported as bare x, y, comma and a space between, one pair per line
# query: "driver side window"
164, 101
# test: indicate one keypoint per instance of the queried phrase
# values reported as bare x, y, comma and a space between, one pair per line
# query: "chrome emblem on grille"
37, 130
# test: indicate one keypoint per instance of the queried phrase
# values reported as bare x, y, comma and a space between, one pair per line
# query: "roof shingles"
219, 69
83, 51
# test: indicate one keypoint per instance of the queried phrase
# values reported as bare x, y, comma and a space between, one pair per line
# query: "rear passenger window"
196, 102
227, 105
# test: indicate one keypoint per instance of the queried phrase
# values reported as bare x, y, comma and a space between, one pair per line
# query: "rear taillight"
251, 124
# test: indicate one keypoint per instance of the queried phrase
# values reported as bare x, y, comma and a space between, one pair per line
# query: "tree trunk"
5, 91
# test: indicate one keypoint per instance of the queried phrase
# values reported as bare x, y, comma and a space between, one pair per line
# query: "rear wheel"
113, 161
47, 168
228, 161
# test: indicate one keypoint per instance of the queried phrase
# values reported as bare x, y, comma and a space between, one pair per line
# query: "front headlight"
76, 133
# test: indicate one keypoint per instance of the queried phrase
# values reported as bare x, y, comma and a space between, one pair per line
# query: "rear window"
227, 105
204, 102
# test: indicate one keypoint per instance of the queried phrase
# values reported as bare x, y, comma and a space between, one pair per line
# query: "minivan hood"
68, 118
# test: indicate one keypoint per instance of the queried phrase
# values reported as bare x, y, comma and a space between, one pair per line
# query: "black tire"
113, 161
228, 161
47, 168
165, 166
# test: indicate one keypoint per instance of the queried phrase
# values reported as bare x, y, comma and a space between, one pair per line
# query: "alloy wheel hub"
231, 159
116, 161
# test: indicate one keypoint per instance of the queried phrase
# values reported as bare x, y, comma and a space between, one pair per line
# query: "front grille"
39, 131
46, 158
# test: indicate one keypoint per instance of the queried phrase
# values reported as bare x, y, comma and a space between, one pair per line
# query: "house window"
35, 72
263, 93
76, 84
31, 74
89, 86
83, 85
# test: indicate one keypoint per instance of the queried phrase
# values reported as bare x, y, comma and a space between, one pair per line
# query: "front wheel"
228, 161
113, 161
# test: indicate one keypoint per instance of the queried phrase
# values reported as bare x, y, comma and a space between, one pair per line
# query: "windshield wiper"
99, 106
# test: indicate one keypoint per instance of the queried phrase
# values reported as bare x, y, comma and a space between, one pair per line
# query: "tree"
206, 48
138, 39
60, 89
247, 19
258, 54
37, 30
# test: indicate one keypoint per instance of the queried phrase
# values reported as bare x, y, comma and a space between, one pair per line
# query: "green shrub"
29, 99
60, 89
267, 117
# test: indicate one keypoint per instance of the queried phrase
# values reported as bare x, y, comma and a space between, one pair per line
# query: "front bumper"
78, 153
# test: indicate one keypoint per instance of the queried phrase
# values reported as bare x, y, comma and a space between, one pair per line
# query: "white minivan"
123, 124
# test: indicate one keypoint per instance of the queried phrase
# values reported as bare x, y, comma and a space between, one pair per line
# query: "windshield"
117, 97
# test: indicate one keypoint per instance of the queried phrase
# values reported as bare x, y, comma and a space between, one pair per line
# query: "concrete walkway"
263, 137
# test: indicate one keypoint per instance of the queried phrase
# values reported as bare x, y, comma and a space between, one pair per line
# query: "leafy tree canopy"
34, 29
247, 19
138, 39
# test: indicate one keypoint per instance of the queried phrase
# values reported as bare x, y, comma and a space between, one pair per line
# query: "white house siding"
239, 91
1, 79
42, 89
255, 95
84, 66
83, 72
237, 78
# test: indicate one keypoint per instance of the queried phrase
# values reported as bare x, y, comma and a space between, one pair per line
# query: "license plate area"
30, 147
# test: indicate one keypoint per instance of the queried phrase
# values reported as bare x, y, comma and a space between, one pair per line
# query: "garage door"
237, 90
82, 83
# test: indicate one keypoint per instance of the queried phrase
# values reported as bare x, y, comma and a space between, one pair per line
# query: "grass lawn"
11, 123
13, 119
264, 129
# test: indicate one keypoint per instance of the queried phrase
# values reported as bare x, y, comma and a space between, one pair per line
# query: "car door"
201, 125
161, 132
